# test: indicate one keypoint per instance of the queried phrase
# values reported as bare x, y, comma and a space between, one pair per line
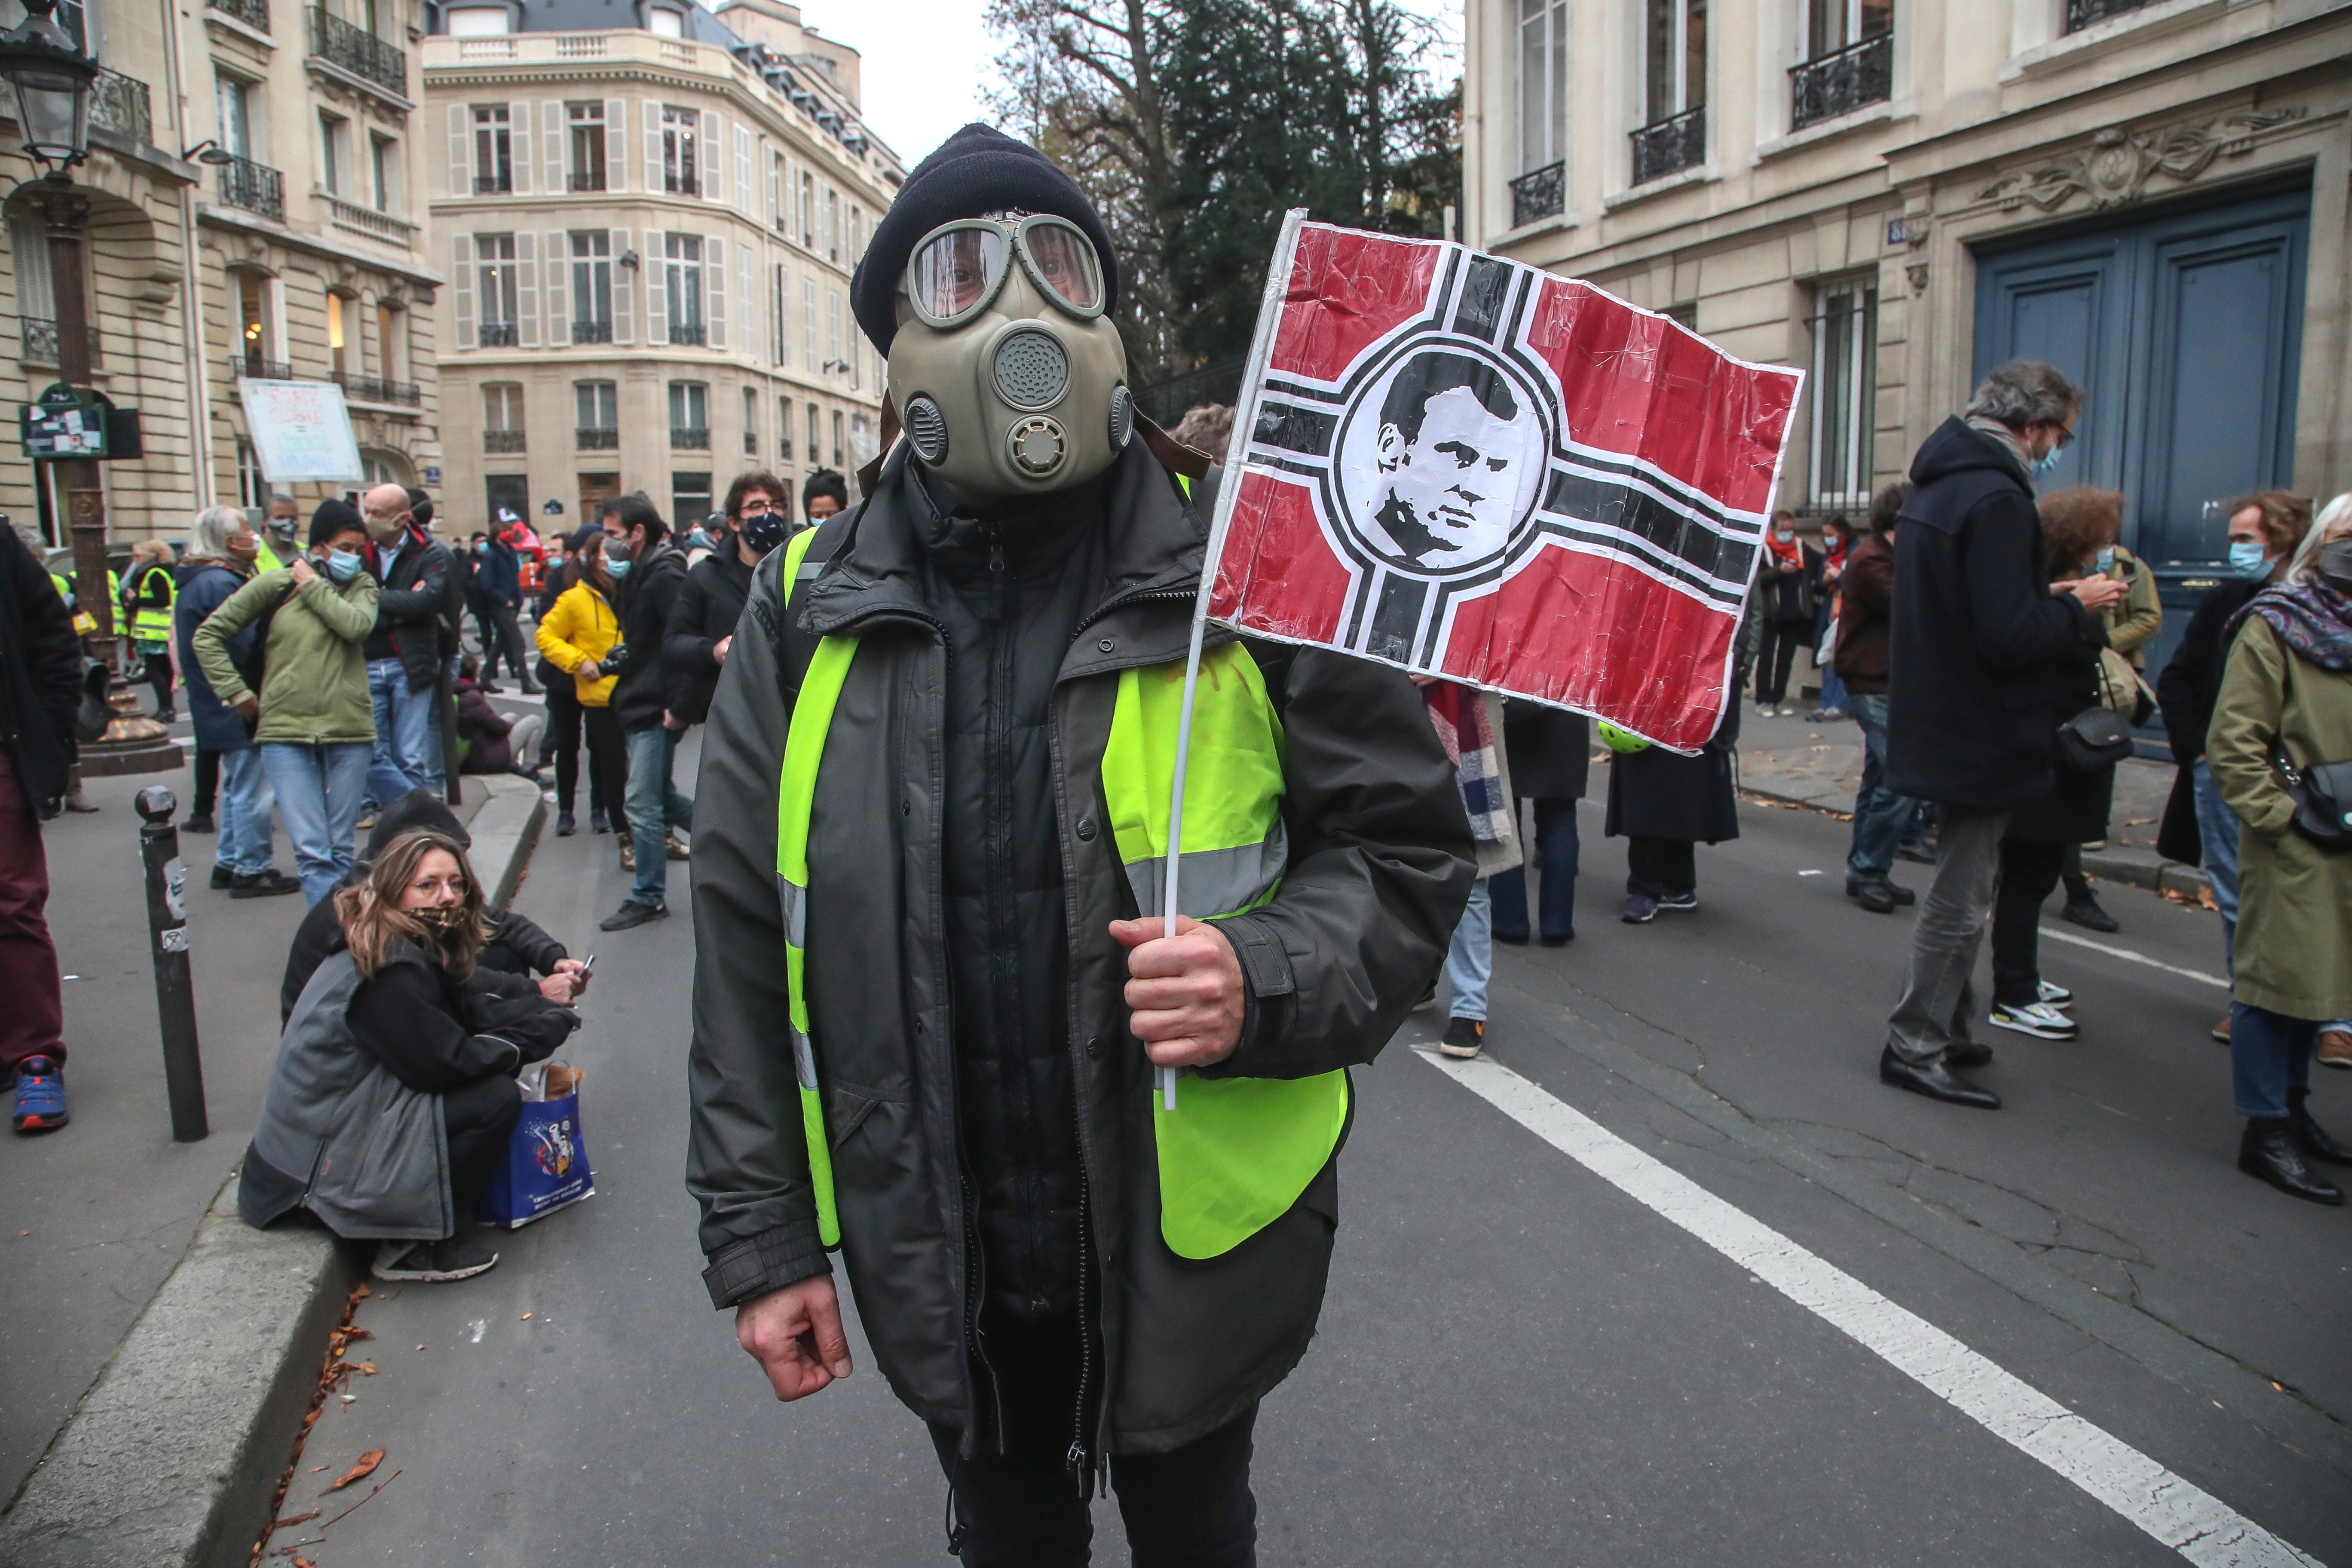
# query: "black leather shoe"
1872, 894
1904, 896
1968, 1054
2268, 1151
222, 878
1562, 940
2086, 913
1937, 1082
202, 822
1508, 939
266, 883
2310, 1136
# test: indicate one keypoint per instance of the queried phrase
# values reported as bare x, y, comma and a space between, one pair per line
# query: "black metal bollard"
175, 998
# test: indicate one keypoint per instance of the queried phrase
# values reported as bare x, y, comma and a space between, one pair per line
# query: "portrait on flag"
1475, 468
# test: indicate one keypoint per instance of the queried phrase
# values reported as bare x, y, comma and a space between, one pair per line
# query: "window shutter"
461, 274
775, 191
747, 301
551, 116
714, 288
652, 147
526, 290
657, 269
461, 150
624, 289
778, 344
743, 169
519, 145
559, 289
616, 144
713, 150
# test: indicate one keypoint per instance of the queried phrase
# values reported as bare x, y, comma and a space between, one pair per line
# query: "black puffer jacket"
649, 596
708, 607
414, 600
1379, 866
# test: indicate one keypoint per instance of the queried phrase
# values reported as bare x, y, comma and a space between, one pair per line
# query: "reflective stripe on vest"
1238, 1153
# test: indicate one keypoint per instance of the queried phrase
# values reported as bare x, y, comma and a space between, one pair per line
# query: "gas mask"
1007, 379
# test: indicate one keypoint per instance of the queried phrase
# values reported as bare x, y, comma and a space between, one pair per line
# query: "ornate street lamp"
51, 81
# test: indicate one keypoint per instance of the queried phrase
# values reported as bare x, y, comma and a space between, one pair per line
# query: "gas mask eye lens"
956, 271
1063, 260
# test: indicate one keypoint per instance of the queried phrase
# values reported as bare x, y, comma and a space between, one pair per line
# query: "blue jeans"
403, 729
2270, 1058
319, 789
655, 807
1880, 814
1470, 957
244, 799
1833, 691
2217, 830
1556, 843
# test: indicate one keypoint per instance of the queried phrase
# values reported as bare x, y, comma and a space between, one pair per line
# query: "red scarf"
1790, 555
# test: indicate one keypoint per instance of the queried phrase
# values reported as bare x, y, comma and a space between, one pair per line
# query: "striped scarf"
1466, 731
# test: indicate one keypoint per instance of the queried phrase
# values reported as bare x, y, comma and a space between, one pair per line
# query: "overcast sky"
928, 61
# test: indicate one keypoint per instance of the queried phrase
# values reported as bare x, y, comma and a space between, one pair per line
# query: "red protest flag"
1469, 467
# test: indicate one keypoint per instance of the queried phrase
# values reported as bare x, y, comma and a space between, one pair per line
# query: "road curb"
172, 1460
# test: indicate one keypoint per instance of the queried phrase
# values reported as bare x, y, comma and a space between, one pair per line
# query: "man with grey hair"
1971, 680
220, 560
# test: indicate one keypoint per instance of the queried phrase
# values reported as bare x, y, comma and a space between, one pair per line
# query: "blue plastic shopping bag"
546, 1164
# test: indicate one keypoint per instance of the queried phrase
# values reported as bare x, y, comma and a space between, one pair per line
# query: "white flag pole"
1269, 311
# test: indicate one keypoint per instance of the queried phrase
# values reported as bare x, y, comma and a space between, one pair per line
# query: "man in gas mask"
926, 1011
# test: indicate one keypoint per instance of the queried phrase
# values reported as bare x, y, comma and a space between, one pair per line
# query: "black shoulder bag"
2098, 737
2322, 794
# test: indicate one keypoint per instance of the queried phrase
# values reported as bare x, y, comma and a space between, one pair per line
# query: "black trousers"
608, 765
207, 782
497, 621
159, 675
1556, 842
1778, 656
2028, 872
1191, 1508
565, 719
480, 1118
1661, 866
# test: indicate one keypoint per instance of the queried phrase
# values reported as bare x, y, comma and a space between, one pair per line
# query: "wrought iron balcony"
254, 14
499, 334
503, 441
596, 438
498, 185
119, 103
256, 187
592, 331
690, 437
40, 340
689, 332
1675, 143
1539, 195
1842, 82
253, 367
374, 389
586, 179
358, 51
2082, 14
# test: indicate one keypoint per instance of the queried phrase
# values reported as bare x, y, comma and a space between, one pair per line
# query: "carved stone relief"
2121, 161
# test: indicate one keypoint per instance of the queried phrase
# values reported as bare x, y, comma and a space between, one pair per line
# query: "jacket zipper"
1126, 601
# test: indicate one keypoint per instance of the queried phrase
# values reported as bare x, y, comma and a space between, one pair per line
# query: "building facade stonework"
649, 231
1898, 195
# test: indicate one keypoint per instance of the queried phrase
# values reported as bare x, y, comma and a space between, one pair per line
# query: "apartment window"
502, 416
689, 416
836, 440
493, 150
813, 435
1673, 84
1849, 59
682, 280
1844, 388
236, 103
776, 300
2080, 14
28, 241
334, 154
677, 148
592, 286
666, 23
832, 224
783, 431
856, 233
597, 416
751, 423
341, 317
477, 21
499, 314
689, 498
832, 329
587, 146
383, 174
257, 335
1541, 189
808, 211
392, 342
252, 487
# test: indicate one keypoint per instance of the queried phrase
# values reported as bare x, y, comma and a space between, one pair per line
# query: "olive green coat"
2295, 898
314, 684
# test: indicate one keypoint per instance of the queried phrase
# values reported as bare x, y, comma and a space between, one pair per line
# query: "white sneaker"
2056, 995
2039, 1019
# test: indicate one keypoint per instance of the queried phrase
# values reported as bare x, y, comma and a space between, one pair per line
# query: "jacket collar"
1153, 543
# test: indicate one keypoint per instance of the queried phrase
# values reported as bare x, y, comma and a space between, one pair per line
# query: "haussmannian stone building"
1898, 195
648, 215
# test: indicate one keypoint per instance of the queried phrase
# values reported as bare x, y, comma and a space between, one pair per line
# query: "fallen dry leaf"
368, 1367
316, 1468
420, 1347
304, 1563
2139, 822
526, 1317
297, 1519
359, 1472
355, 1332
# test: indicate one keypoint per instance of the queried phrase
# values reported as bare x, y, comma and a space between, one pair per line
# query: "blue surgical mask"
342, 565
2107, 559
2044, 463
2247, 558
619, 569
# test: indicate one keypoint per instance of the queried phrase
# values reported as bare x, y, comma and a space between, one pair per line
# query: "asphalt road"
1521, 1360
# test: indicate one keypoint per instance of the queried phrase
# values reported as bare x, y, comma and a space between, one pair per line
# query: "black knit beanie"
333, 517
975, 171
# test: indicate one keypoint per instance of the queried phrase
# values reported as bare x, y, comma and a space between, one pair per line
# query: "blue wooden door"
2186, 327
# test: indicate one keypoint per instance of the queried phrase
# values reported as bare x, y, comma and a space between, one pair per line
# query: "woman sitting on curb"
394, 1089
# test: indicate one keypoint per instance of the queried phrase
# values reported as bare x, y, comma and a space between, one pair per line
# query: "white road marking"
531, 698
2125, 952
2191, 1522
1809, 873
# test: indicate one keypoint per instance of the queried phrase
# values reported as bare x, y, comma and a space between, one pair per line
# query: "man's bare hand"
795, 1335
1186, 991
300, 568
563, 988
2098, 594
248, 706
719, 650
